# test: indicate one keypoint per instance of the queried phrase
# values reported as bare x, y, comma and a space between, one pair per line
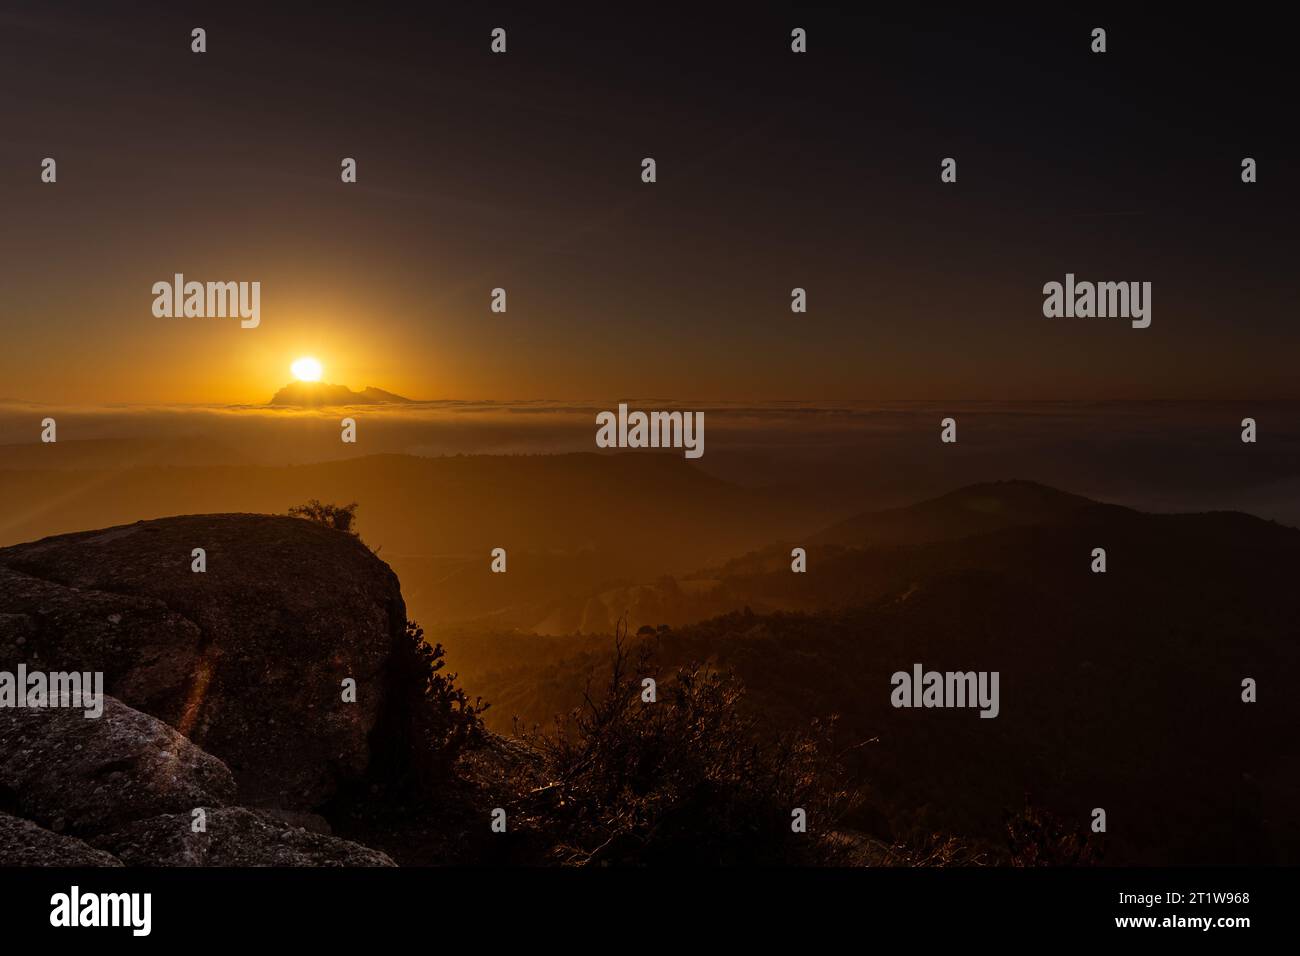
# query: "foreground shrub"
427, 721
686, 779
445, 721
1036, 838
338, 517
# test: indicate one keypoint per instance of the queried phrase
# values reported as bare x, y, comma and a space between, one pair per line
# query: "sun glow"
306, 370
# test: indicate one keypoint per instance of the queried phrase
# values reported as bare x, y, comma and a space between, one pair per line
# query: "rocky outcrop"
246, 659
126, 788
233, 836
23, 843
79, 775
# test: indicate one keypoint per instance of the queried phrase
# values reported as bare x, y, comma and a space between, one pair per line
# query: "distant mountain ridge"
316, 394
874, 554
974, 509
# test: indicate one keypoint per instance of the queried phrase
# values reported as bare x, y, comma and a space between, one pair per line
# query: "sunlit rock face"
86, 776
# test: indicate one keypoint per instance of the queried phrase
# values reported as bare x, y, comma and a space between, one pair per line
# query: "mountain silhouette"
316, 394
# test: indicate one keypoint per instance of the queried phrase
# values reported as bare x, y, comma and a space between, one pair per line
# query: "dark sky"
523, 171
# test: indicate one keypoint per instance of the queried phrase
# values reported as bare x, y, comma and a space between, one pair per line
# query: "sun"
306, 370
